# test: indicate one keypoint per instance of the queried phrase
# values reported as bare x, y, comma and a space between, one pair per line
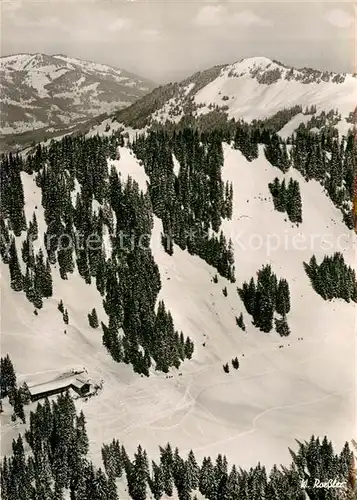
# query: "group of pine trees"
330, 161
287, 198
235, 364
246, 139
12, 194
8, 388
63, 311
74, 176
277, 121
57, 467
192, 203
36, 282
265, 297
276, 152
57, 461
333, 278
323, 156
322, 120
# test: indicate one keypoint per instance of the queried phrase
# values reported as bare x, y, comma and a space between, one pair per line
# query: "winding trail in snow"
262, 414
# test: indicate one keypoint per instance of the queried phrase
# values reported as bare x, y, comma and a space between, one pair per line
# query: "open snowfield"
239, 92
252, 414
249, 99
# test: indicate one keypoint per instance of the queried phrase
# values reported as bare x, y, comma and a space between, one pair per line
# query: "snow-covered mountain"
253, 88
39, 90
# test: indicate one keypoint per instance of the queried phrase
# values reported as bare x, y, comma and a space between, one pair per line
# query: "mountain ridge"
40, 90
248, 89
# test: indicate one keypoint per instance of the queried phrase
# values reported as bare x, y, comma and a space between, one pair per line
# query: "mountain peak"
251, 88
249, 62
267, 71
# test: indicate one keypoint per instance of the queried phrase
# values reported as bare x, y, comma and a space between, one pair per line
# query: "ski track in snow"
259, 416
257, 375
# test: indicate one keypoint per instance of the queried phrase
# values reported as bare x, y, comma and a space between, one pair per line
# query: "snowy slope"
251, 99
257, 88
252, 414
39, 90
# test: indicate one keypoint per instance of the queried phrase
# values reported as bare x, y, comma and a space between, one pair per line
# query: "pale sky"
168, 40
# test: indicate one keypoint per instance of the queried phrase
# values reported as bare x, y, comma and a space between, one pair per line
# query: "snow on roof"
49, 386
77, 382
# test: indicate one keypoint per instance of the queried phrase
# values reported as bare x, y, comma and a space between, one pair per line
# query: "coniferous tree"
282, 327
65, 317
207, 480
138, 476
93, 319
8, 376
157, 481
189, 348
233, 484
19, 407
47, 286
28, 285
240, 322
166, 463
27, 251
25, 394
192, 471
293, 204
221, 475
4, 240
16, 279
33, 228
283, 297
235, 363
81, 438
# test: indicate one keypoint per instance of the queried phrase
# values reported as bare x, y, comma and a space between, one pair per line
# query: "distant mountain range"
39, 91
50, 96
